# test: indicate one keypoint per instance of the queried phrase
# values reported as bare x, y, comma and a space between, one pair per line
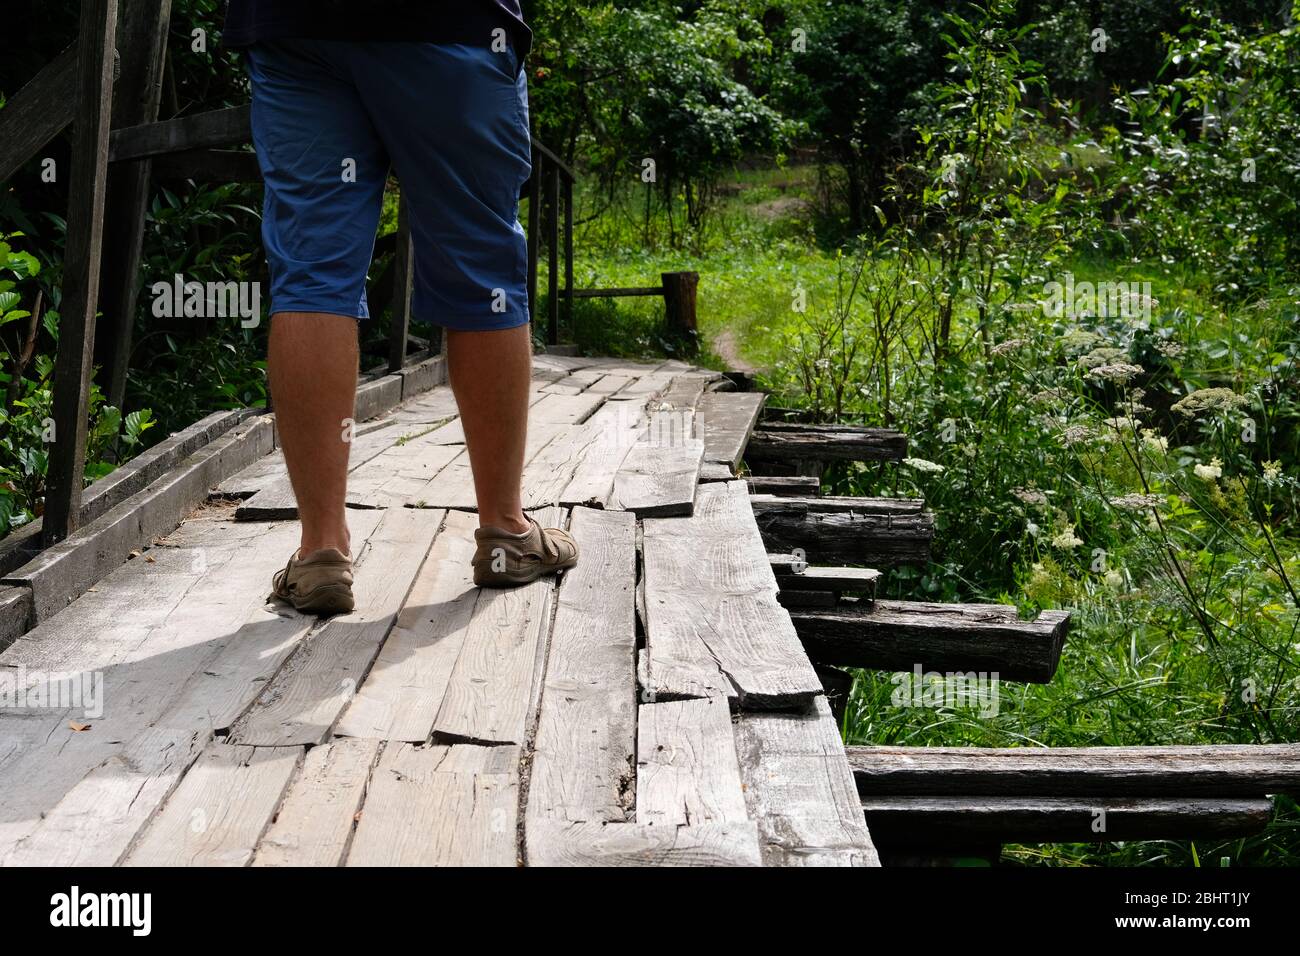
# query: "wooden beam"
209, 166
794, 574
786, 442
894, 531
214, 129
1221, 770
795, 486
904, 635
947, 821
141, 43
81, 264
39, 111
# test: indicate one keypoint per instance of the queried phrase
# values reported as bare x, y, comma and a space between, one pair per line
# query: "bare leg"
313, 364
489, 373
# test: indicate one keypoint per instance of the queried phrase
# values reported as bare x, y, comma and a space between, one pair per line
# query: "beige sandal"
320, 583
505, 560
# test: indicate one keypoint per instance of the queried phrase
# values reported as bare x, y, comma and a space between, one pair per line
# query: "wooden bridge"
657, 705
670, 701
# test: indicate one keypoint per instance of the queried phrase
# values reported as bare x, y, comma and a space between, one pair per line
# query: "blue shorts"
330, 117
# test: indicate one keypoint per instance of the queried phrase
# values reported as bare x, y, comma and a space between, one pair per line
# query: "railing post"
568, 253
534, 232
679, 304
81, 268
553, 256
403, 260
142, 42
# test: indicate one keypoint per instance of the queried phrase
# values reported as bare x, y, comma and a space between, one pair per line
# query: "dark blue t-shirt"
431, 21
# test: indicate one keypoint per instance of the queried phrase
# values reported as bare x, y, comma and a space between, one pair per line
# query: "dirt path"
724, 344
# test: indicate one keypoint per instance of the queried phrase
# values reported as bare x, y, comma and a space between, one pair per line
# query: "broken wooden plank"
658, 480
220, 810
800, 791
400, 697
314, 826
988, 639
713, 625
440, 806
1221, 770
552, 843
307, 697
584, 750
687, 772
492, 693
725, 421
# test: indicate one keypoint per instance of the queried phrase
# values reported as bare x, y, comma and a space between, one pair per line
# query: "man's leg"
489, 374
313, 372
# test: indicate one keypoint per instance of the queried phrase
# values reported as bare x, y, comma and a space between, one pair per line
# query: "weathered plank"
584, 750
440, 806
400, 697
786, 442
851, 536
794, 574
453, 485
95, 822
275, 500
315, 824
940, 821
799, 789
725, 420
659, 480
307, 697
645, 388
629, 844
687, 772
564, 409
714, 627
903, 635
784, 485
1227, 770
140, 638
438, 404
405, 468
215, 128
792, 505
220, 810
494, 685
617, 426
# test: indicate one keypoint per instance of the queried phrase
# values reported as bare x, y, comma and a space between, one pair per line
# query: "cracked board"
713, 623
585, 745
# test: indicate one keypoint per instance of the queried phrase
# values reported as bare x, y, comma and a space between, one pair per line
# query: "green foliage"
1211, 155
26, 418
